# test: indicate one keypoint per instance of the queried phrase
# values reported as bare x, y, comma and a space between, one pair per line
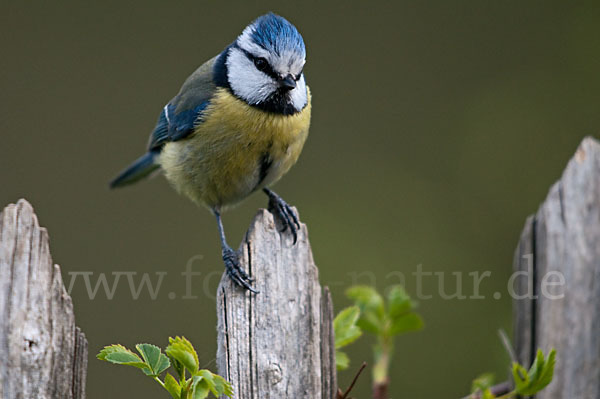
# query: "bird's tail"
141, 168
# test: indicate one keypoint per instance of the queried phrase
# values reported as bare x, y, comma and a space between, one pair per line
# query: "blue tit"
237, 125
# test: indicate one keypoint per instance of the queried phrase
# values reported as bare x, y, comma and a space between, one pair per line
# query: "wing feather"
181, 115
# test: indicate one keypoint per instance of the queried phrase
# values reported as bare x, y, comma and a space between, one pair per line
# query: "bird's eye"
261, 64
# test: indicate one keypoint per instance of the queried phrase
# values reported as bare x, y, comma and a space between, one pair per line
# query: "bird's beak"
287, 83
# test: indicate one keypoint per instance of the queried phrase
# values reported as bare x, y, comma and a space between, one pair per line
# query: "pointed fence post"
43, 355
559, 259
278, 343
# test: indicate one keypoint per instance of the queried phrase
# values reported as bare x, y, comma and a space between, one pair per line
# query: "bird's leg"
232, 263
284, 212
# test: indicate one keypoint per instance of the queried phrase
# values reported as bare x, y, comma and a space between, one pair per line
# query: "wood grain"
563, 238
278, 343
42, 353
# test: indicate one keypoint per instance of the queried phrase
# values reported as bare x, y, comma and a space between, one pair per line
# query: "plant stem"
503, 389
380, 391
345, 394
183, 385
380, 369
162, 384
511, 394
182, 378
185, 388
383, 354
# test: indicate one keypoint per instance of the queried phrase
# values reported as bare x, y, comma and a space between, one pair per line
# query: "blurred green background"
437, 128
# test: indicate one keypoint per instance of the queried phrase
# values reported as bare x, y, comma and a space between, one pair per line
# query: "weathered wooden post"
561, 243
43, 355
278, 343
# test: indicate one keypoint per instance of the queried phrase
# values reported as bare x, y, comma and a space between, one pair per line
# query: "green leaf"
370, 322
182, 351
372, 308
118, 354
342, 361
539, 376
213, 382
547, 373
153, 357
223, 387
184, 341
209, 377
520, 377
487, 394
172, 386
399, 302
200, 388
406, 323
482, 382
367, 299
344, 325
537, 366
178, 366
183, 356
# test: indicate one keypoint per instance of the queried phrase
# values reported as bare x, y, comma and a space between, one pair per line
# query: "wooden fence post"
561, 242
278, 343
43, 355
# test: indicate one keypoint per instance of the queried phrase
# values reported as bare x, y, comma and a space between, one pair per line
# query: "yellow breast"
235, 150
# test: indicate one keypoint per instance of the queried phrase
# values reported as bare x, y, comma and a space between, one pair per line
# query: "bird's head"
265, 63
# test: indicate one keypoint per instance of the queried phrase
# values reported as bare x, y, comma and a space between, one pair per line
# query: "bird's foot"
235, 271
284, 213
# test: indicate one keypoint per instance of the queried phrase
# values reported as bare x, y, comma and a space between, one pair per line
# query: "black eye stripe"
261, 64
268, 69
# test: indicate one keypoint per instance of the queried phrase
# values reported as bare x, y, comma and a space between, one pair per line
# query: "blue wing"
182, 114
173, 126
177, 120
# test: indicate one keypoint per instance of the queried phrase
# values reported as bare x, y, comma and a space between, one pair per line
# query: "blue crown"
277, 34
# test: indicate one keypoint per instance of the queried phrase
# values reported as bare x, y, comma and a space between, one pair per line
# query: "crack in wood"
44, 354
275, 338
569, 323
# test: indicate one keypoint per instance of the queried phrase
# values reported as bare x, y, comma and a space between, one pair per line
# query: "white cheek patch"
298, 96
246, 81
255, 86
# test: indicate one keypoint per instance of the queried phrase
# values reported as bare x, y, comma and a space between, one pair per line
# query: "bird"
236, 126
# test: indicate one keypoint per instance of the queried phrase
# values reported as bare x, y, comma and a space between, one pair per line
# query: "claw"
235, 271
284, 213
